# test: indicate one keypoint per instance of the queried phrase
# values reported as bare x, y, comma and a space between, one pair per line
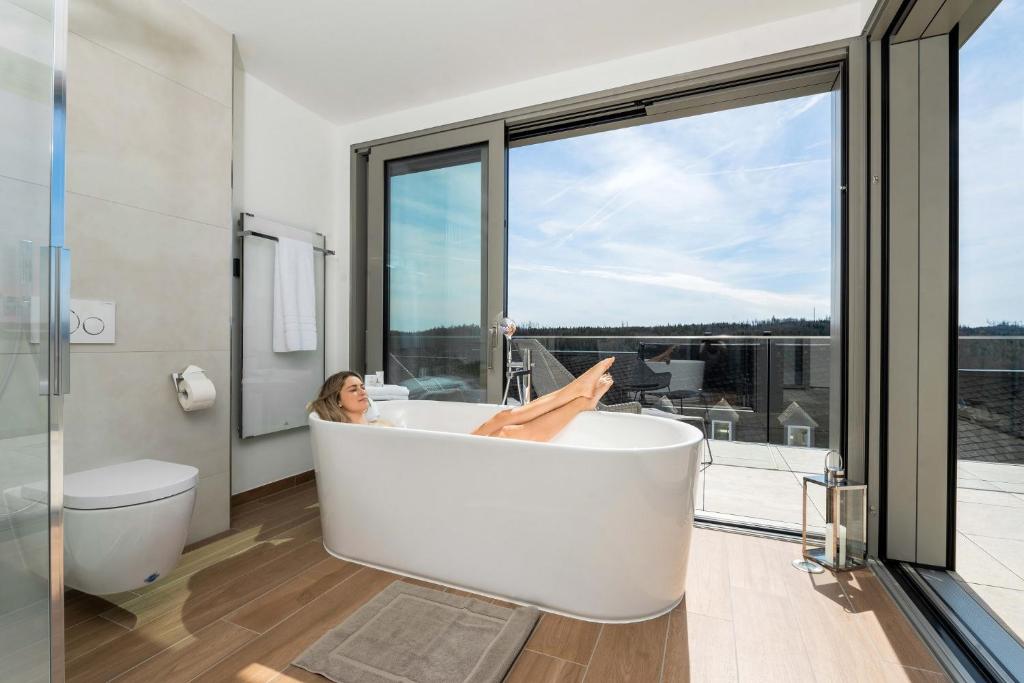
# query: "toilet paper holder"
181, 390
176, 377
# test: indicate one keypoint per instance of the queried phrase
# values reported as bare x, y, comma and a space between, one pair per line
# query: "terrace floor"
759, 483
990, 538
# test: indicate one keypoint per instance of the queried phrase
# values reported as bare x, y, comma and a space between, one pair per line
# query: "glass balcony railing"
748, 389
762, 390
765, 403
990, 400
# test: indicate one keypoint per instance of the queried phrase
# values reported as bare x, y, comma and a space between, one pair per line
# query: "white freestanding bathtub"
594, 525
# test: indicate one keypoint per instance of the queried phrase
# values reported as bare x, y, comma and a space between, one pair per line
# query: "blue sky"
719, 217
992, 168
434, 248
723, 216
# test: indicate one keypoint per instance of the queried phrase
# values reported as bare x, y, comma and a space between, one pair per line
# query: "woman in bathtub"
343, 399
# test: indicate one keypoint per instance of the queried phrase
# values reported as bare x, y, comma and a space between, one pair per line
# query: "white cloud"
991, 225
725, 208
794, 304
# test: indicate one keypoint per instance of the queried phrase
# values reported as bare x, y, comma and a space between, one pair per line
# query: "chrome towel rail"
253, 233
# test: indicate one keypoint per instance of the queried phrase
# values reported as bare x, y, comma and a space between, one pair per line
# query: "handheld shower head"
507, 326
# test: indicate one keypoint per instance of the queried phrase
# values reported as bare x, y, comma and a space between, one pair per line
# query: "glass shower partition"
31, 367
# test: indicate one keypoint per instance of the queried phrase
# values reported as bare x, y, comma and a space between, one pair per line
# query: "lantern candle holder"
843, 546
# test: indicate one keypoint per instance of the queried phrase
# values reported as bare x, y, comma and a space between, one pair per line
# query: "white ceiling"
350, 60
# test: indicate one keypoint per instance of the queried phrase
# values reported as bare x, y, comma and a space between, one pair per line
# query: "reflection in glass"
721, 430
990, 377
434, 232
26, 48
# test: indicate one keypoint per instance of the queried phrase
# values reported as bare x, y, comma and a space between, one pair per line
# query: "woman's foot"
587, 383
601, 387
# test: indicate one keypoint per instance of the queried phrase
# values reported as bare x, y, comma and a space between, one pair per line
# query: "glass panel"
435, 222
26, 75
990, 377
699, 252
800, 398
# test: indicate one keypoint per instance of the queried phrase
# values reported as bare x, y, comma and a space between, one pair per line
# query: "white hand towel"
294, 296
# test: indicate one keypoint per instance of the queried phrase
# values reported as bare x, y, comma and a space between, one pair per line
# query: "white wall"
283, 170
780, 36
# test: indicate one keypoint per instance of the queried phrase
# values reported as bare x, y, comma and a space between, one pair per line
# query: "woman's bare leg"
530, 411
548, 425
583, 386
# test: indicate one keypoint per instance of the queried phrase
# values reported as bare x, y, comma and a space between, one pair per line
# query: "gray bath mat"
411, 633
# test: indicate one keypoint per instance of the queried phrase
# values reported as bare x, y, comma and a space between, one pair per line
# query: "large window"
990, 378
698, 251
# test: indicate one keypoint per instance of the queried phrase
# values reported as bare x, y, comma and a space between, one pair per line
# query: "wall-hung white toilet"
125, 525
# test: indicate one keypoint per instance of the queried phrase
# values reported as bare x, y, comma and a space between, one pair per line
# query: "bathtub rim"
696, 438
520, 603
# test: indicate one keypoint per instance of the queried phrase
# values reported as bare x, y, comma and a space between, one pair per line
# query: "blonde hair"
327, 404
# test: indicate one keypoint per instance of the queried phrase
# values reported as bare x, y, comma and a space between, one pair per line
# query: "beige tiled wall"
149, 227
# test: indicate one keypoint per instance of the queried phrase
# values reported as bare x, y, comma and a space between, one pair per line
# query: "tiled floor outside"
760, 483
990, 537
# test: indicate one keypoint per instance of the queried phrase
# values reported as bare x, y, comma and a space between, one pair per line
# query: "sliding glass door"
435, 276
703, 250
990, 370
953, 426
31, 232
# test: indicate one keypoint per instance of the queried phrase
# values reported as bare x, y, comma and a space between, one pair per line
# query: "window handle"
492, 344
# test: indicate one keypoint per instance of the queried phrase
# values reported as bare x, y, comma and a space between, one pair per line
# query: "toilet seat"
121, 485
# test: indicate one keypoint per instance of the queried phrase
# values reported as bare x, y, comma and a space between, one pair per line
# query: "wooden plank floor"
241, 606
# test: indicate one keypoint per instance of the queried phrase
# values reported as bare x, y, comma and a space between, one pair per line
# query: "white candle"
842, 545
830, 544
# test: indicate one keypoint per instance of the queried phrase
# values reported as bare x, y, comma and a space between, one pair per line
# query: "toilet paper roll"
195, 390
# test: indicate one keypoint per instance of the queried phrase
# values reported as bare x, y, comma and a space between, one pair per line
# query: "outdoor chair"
630, 372
685, 382
632, 375
550, 375
686, 378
